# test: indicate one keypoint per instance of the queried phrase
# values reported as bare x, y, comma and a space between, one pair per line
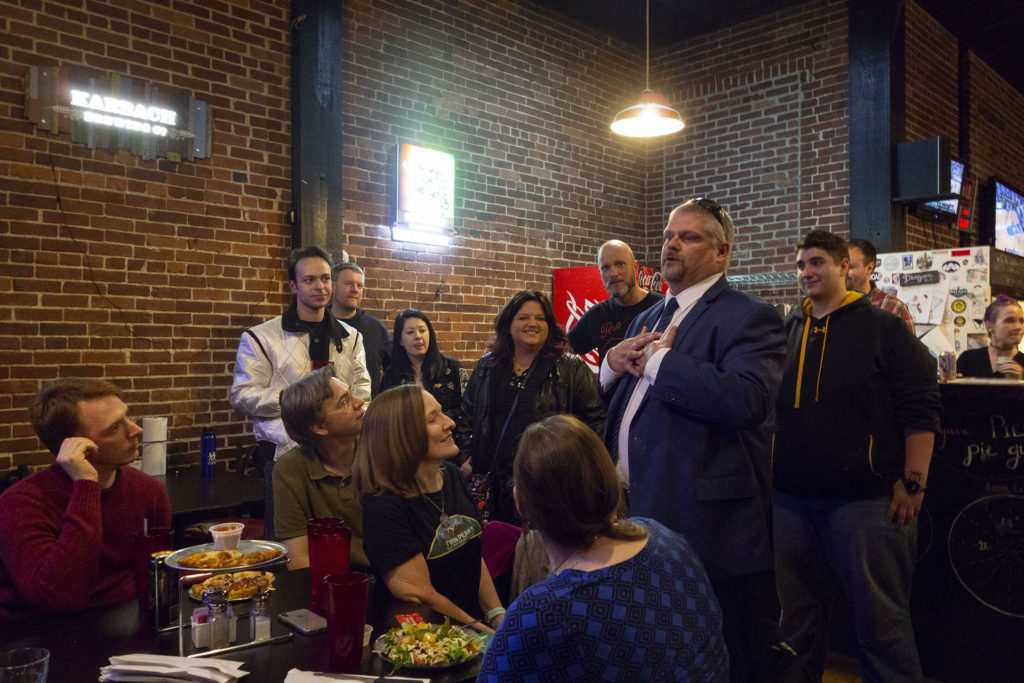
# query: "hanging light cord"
647, 70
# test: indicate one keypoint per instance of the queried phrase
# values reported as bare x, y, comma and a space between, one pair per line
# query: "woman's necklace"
578, 555
444, 516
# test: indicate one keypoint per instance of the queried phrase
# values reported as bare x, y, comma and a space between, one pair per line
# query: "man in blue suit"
690, 418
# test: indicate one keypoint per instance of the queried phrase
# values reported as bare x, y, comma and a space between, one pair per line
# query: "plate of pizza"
237, 585
204, 557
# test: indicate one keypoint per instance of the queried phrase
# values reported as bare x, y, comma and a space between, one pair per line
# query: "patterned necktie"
666, 314
671, 305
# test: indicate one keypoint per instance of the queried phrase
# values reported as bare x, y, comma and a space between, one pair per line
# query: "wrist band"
491, 613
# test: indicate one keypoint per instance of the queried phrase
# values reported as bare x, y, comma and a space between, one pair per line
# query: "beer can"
947, 365
164, 592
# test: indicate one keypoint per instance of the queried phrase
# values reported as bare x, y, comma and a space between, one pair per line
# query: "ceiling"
993, 29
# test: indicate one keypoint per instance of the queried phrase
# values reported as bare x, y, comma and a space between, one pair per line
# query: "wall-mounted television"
944, 209
1003, 214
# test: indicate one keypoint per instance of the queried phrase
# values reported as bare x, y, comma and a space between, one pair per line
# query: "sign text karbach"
110, 111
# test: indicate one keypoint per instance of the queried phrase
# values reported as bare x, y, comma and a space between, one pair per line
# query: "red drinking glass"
329, 542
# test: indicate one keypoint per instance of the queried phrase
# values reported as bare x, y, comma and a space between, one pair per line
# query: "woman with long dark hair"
417, 359
527, 376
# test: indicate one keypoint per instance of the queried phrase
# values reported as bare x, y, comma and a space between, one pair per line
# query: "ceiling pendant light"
651, 117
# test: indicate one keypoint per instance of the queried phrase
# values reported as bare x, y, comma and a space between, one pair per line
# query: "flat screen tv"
944, 209
1004, 217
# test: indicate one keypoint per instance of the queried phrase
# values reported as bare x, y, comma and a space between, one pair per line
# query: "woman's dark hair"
400, 367
504, 347
567, 487
998, 304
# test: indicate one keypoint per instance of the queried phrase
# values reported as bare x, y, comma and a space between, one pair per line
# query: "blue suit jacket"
699, 444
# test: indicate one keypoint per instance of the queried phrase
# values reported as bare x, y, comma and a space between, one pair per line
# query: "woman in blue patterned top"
628, 599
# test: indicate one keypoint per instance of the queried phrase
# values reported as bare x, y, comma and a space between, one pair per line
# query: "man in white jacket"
278, 352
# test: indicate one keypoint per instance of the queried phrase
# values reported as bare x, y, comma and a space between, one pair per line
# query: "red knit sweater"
66, 545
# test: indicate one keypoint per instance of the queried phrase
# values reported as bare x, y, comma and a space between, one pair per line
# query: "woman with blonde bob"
420, 529
628, 600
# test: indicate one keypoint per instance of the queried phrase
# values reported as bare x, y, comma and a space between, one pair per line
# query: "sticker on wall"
958, 306
891, 262
950, 266
924, 261
959, 321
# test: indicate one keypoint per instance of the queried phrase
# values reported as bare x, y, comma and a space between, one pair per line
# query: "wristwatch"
912, 486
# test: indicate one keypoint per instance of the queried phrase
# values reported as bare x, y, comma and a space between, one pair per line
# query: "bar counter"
968, 590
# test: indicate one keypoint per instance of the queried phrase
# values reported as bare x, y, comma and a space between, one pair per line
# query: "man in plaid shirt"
862, 263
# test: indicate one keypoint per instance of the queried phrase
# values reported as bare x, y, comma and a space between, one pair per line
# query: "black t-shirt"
604, 324
396, 529
975, 363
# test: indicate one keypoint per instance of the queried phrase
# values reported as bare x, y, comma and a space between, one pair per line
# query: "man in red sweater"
67, 532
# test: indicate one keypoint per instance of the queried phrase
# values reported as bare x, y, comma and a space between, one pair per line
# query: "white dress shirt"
686, 300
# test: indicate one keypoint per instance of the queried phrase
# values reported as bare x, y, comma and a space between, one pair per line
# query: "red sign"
965, 207
577, 289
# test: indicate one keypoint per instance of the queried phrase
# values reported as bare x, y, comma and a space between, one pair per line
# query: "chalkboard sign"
984, 441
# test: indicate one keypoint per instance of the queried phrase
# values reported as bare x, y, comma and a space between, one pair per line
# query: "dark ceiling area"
992, 29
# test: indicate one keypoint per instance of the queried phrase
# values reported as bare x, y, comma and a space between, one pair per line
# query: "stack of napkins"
297, 676
144, 668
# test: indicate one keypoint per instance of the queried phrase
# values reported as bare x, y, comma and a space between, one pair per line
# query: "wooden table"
82, 643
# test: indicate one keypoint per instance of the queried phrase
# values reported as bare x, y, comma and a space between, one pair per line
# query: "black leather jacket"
569, 387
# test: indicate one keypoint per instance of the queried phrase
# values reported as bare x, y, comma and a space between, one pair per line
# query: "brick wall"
148, 270
766, 105
932, 103
161, 266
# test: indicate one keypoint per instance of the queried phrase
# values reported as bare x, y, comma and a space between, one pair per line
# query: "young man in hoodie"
856, 420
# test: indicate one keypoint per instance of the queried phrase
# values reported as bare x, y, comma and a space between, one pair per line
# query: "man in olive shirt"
314, 480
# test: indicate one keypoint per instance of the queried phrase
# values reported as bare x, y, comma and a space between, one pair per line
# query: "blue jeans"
820, 545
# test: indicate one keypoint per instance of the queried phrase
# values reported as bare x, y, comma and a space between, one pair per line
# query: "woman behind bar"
416, 358
1004, 322
526, 377
628, 599
420, 529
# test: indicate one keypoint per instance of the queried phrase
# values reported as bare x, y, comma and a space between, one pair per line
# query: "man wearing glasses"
276, 353
315, 479
694, 386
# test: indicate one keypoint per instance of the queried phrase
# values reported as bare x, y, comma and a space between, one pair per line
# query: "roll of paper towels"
154, 445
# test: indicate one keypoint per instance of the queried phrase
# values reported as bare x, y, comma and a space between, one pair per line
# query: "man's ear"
319, 430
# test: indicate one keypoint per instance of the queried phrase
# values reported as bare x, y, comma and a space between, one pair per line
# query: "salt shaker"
216, 599
259, 616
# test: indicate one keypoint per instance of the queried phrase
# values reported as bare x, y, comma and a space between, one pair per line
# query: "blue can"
209, 452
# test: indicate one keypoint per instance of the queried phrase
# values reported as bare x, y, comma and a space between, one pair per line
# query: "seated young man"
315, 479
67, 532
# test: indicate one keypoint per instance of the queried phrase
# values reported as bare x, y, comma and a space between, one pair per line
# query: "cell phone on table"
304, 621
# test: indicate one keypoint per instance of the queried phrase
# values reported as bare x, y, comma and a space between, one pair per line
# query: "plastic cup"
147, 543
367, 633
347, 594
24, 665
226, 535
329, 541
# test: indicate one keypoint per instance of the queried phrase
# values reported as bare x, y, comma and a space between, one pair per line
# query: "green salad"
429, 645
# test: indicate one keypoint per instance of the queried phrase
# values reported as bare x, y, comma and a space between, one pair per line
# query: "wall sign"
426, 195
113, 112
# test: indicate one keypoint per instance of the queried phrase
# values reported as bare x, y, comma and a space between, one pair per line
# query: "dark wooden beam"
316, 215
876, 44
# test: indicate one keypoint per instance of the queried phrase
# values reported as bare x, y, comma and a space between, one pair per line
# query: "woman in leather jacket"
526, 377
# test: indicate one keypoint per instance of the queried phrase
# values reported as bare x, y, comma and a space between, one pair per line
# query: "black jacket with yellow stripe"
854, 380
